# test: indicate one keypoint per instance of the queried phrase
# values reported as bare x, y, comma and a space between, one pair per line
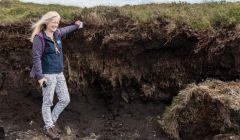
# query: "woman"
48, 67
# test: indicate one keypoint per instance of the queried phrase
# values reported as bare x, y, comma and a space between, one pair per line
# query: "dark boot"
52, 134
56, 128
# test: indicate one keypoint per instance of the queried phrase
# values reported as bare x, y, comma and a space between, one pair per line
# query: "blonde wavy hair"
41, 24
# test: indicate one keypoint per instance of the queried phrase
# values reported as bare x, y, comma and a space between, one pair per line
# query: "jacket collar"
48, 38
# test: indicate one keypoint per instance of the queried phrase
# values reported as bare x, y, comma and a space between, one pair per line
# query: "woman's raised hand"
79, 23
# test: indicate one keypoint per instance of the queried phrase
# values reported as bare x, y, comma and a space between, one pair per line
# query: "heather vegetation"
197, 16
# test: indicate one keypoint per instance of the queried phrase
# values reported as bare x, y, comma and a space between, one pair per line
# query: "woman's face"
53, 24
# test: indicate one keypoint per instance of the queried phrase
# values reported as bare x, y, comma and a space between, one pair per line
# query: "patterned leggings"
55, 82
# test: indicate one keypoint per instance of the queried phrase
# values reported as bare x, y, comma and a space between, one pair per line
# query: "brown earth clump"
208, 110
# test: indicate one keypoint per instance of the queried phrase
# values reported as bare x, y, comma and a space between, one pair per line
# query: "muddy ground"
121, 75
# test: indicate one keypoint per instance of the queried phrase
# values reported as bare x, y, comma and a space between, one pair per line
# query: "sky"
91, 3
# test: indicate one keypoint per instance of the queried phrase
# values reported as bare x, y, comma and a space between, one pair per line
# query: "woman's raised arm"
68, 29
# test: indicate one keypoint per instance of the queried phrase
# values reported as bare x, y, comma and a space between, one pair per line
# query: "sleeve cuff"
38, 77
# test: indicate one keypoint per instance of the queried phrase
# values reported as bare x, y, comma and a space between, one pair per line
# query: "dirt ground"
86, 117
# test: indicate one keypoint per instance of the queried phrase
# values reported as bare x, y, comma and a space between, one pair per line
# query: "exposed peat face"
115, 68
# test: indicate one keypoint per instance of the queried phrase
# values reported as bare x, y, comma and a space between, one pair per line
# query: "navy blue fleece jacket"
45, 59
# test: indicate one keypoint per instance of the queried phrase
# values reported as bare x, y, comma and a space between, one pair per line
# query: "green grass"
13, 11
197, 16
